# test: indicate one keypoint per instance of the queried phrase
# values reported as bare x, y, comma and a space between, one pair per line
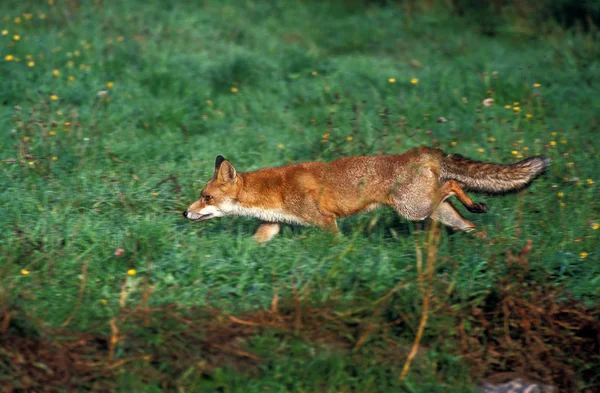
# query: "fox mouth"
203, 217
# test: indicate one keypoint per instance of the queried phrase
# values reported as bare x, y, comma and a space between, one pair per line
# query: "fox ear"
218, 161
226, 172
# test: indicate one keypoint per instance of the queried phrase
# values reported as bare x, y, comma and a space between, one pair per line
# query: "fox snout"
200, 212
190, 215
194, 216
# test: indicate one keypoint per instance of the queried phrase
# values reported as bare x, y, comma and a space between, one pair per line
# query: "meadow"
112, 114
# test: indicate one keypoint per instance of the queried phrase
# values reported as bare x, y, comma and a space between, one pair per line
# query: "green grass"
261, 83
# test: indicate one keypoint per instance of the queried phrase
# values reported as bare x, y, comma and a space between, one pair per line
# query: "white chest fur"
269, 215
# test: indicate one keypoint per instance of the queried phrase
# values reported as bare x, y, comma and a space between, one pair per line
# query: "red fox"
416, 184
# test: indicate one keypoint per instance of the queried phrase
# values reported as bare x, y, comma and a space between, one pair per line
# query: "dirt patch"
161, 344
533, 329
522, 330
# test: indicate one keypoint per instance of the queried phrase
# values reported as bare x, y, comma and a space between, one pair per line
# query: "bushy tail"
490, 177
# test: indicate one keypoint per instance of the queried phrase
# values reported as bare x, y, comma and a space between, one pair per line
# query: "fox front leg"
267, 231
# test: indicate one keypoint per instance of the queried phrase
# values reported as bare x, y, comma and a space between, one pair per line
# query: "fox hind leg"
452, 188
447, 215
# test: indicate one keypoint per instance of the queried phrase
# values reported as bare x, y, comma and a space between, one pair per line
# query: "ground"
112, 116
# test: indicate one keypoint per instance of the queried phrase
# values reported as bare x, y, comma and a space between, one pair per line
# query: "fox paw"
478, 207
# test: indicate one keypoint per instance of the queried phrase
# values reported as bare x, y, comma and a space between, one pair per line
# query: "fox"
416, 184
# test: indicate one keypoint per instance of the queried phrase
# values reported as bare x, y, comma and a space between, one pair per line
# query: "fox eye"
207, 197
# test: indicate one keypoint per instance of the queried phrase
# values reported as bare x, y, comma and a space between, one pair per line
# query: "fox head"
219, 196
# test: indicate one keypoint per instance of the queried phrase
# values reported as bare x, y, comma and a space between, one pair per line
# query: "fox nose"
185, 213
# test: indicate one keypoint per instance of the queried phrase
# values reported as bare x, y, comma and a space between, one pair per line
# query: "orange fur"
415, 183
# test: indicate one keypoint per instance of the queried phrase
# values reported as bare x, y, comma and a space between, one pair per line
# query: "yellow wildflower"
16, 37
583, 255
131, 272
414, 81
314, 73
560, 194
54, 97
110, 85
70, 64
234, 89
71, 78
491, 139
52, 133
5, 32
480, 150
453, 143
552, 143
529, 116
281, 146
120, 38
349, 138
537, 85
209, 102
18, 20
9, 58
103, 301
154, 194
54, 158
392, 80
507, 106
589, 181
514, 152
55, 73
595, 226
31, 64
516, 109
25, 272
26, 139
31, 163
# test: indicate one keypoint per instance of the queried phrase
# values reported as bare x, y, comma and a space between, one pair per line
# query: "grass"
113, 115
